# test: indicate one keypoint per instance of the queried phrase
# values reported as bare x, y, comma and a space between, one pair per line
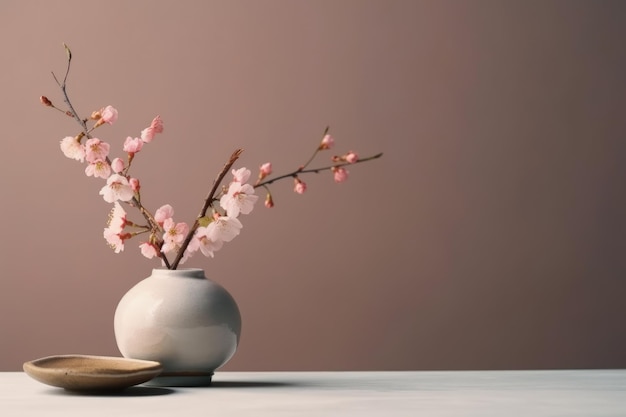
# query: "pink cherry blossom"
117, 165
351, 157
163, 213
173, 235
241, 175
109, 114
117, 218
134, 184
340, 174
239, 199
147, 135
98, 169
132, 145
117, 188
72, 148
114, 240
224, 228
203, 242
327, 142
299, 186
269, 201
96, 149
149, 250
155, 127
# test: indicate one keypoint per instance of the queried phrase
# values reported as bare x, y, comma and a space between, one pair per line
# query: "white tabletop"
441, 394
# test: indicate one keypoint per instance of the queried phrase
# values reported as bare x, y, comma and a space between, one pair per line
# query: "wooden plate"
91, 373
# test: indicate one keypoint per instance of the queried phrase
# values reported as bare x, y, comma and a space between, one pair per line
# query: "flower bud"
299, 186
327, 142
134, 184
351, 157
340, 174
269, 202
44, 100
265, 170
117, 165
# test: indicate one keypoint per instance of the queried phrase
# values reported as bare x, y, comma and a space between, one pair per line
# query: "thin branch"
218, 181
315, 170
208, 202
314, 153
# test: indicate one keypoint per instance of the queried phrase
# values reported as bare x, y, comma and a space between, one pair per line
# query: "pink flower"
265, 170
134, 184
163, 213
72, 148
132, 145
109, 115
147, 135
340, 173
117, 165
149, 250
117, 188
327, 142
96, 149
239, 199
174, 234
351, 157
269, 201
155, 127
113, 233
203, 242
116, 239
117, 218
241, 175
98, 169
300, 186
223, 228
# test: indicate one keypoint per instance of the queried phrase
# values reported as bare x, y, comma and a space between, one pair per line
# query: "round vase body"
188, 323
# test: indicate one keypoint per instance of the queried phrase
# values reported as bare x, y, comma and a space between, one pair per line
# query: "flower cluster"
218, 221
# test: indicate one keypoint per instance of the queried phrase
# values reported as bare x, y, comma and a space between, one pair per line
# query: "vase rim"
182, 272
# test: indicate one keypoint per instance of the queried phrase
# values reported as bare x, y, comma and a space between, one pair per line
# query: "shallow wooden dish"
91, 373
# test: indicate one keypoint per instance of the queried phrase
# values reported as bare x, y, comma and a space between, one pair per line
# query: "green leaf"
205, 221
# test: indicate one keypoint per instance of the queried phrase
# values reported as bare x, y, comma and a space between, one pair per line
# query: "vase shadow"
250, 384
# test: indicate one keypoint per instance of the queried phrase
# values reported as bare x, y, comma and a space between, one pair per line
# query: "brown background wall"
491, 235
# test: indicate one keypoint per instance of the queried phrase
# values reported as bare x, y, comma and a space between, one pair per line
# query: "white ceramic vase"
188, 323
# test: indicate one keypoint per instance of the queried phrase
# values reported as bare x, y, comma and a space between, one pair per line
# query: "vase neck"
178, 273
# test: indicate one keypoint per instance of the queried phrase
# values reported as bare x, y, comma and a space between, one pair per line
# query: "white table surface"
585, 393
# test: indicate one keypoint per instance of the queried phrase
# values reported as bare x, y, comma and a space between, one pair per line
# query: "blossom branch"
208, 202
315, 170
213, 225
87, 133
